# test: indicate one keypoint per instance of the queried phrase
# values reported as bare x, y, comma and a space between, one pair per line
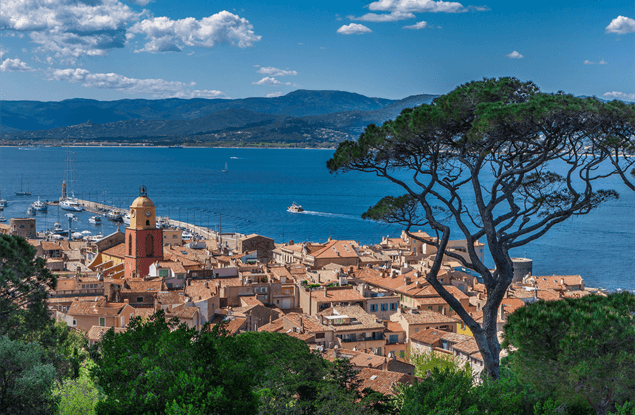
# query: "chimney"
126, 301
156, 303
407, 280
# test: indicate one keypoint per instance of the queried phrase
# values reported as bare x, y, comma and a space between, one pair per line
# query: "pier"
100, 209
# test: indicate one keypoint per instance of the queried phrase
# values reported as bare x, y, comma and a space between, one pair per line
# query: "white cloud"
479, 8
270, 70
69, 28
514, 55
141, 3
621, 25
417, 26
159, 88
620, 95
392, 17
417, 6
353, 29
14, 65
166, 35
274, 95
270, 81
206, 93
601, 62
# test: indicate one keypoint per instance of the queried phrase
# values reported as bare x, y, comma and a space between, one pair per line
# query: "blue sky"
117, 49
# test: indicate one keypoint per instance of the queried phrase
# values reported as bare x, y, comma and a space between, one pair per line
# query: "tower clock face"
147, 213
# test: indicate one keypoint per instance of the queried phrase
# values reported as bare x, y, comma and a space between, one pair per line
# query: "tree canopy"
579, 348
496, 160
24, 285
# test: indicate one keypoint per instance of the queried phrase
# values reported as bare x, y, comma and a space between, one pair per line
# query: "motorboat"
2, 219
30, 211
96, 220
114, 215
77, 235
72, 205
126, 218
3, 203
294, 208
40, 206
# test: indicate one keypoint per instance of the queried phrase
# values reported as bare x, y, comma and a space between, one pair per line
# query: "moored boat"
40, 206
95, 220
70, 204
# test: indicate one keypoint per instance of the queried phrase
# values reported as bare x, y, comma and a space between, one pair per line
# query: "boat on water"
3, 203
126, 218
39, 206
225, 170
95, 220
115, 215
31, 211
70, 204
295, 208
175, 146
22, 192
77, 235
2, 219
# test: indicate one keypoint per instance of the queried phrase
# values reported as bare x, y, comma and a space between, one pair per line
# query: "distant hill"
35, 115
298, 117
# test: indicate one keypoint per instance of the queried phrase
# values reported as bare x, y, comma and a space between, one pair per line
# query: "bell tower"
144, 242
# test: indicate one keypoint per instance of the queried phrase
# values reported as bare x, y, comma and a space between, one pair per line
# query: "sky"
52, 50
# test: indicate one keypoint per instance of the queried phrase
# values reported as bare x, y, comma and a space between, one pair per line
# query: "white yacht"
40, 206
70, 204
96, 220
2, 219
126, 218
30, 211
114, 215
294, 208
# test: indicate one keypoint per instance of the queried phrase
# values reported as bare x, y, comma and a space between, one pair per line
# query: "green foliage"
79, 395
159, 367
577, 349
428, 360
24, 284
25, 379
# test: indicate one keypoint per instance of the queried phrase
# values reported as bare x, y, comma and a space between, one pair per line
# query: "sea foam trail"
331, 215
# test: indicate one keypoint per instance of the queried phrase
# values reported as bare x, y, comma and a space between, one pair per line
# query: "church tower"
144, 242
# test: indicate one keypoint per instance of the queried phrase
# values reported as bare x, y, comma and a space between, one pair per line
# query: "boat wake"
330, 215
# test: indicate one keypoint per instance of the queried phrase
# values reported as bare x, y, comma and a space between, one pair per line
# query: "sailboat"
21, 192
225, 170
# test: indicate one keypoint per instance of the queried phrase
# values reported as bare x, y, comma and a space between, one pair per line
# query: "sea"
252, 196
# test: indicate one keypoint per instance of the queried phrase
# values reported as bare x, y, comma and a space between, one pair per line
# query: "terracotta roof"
138, 285
427, 336
99, 308
176, 267
458, 294
544, 283
512, 304
357, 358
234, 325
337, 249
50, 246
144, 312
199, 292
96, 333
428, 317
274, 327
182, 312
567, 280
383, 381
455, 337
171, 297
394, 327
427, 301
117, 251
547, 295
359, 318
310, 324
468, 346
249, 300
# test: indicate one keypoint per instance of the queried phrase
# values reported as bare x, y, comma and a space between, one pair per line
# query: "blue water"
188, 184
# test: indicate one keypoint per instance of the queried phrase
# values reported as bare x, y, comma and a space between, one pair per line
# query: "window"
440, 309
169, 284
139, 299
102, 321
373, 307
393, 306
149, 245
129, 244
417, 330
430, 308
148, 222
319, 335
123, 321
394, 338
74, 322
164, 273
180, 276
384, 307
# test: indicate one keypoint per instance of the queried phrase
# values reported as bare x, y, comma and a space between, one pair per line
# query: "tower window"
148, 222
149, 245
130, 245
